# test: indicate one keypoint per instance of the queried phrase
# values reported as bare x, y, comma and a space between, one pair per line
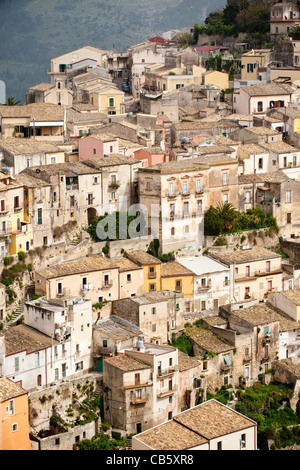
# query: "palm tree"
227, 214
11, 101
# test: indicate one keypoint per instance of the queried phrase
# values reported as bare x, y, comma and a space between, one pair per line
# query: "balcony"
139, 401
105, 351
185, 193
178, 289
18, 209
168, 371
200, 190
152, 275
247, 358
205, 287
107, 285
72, 187
165, 392
171, 195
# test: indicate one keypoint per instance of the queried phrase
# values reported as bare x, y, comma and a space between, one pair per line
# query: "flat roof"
200, 265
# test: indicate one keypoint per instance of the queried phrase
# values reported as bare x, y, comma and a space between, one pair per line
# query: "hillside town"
150, 247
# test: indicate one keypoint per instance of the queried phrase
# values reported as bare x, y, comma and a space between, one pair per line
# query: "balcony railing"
139, 401
168, 371
164, 392
204, 287
152, 275
107, 285
72, 187
171, 195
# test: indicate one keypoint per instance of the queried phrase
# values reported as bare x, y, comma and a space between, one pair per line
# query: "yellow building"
151, 269
177, 278
217, 79
14, 420
254, 60
21, 232
108, 100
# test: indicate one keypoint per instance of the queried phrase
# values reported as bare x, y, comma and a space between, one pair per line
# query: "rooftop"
37, 111
126, 363
82, 265
9, 390
117, 328
196, 426
267, 89
256, 315
24, 338
174, 268
207, 340
18, 146
244, 256
142, 257
200, 265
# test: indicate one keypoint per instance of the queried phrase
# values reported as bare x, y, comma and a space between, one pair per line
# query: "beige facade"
157, 314
49, 93
254, 273
254, 60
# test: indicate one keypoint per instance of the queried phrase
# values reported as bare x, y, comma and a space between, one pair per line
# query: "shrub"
7, 260
22, 255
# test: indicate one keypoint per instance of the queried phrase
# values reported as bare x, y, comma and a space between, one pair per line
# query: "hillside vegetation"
34, 31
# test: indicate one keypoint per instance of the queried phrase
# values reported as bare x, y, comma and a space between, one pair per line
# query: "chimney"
140, 346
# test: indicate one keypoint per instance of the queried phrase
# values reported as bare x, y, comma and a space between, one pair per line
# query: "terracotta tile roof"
37, 111
113, 159
280, 147
274, 177
292, 295
125, 264
207, 340
186, 362
262, 130
171, 436
82, 265
9, 390
173, 268
243, 256
196, 426
256, 315
42, 87
126, 363
18, 146
142, 257
24, 338
116, 328
267, 89
212, 419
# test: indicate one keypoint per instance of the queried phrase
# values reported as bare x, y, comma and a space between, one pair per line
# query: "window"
178, 286
204, 367
248, 197
288, 218
16, 202
11, 407
40, 216
225, 179
15, 427
17, 365
199, 206
90, 199
219, 445
198, 184
260, 107
170, 415
153, 310
111, 102
59, 288
288, 195
250, 68
56, 374
247, 271
153, 328
148, 186
243, 441
260, 163
171, 188
128, 277
203, 305
57, 441
186, 208
269, 286
225, 197
184, 187
152, 287
137, 379
37, 359
268, 266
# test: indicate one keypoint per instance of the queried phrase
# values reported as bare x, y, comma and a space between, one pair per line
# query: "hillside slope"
34, 31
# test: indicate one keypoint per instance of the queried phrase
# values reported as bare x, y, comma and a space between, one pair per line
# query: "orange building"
14, 420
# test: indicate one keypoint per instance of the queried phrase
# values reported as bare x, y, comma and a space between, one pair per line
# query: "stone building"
141, 387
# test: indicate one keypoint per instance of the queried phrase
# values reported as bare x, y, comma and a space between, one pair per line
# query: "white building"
211, 281
55, 343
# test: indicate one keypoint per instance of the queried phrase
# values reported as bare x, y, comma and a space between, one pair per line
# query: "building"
111, 336
159, 79
53, 344
96, 146
208, 426
49, 93
177, 278
151, 156
75, 60
94, 277
254, 273
141, 387
283, 17
151, 269
19, 154
211, 282
253, 63
216, 79
258, 99
14, 416
157, 314
43, 121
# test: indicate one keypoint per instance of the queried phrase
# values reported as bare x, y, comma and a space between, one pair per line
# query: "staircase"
128, 444
19, 311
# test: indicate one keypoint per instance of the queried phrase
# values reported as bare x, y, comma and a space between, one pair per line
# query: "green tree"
11, 101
